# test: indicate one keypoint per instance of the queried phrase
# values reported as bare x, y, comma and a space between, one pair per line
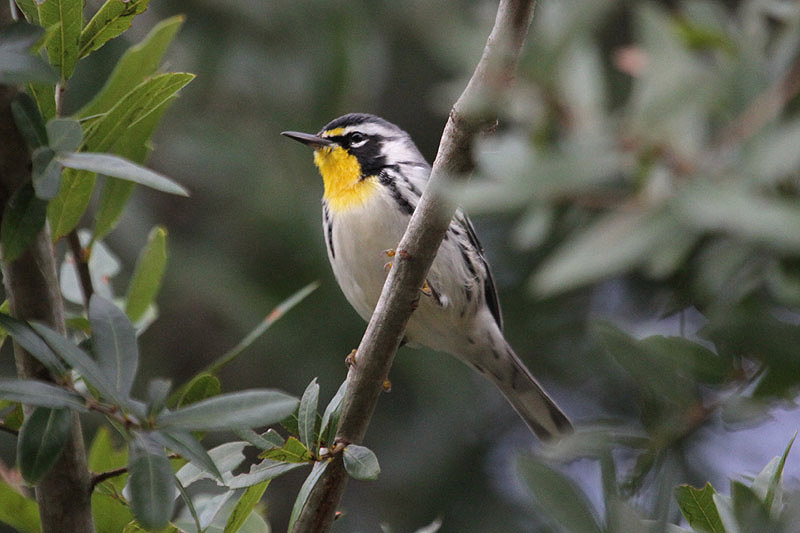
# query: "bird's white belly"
361, 237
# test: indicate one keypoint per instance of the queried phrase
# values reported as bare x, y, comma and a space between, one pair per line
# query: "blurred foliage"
638, 204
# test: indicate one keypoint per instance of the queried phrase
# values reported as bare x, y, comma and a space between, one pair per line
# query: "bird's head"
352, 151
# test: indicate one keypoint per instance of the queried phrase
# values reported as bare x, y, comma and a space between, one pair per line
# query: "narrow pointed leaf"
150, 483
184, 444
79, 360
114, 342
17, 64
24, 335
226, 457
266, 441
28, 120
249, 408
146, 280
23, 219
274, 315
136, 64
200, 387
30, 9
263, 471
360, 462
247, 502
307, 414
699, 509
66, 209
330, 418
558, 497
39, 393
292, 451
133, 145
62, 49
305, 490
41, 440
767, 484
119, 167
111, 20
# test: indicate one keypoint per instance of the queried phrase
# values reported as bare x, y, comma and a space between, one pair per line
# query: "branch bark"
474, 111
32, 289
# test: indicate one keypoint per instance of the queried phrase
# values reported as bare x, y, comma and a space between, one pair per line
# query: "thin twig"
474, 111
80, 256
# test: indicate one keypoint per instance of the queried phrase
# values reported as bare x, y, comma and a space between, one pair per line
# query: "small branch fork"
473, 112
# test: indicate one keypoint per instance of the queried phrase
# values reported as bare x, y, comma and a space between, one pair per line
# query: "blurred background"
619, 107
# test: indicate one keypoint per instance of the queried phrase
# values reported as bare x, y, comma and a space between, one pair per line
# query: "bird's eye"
357, 139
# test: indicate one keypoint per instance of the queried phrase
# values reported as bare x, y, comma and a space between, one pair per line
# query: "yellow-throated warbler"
373, 178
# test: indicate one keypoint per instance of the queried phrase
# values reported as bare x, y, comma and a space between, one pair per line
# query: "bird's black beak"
314, 141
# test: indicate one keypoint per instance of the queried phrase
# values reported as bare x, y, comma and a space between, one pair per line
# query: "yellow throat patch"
341, 176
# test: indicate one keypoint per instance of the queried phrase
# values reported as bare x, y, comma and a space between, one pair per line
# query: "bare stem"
475, 110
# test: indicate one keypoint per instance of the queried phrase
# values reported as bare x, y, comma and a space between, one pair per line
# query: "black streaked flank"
389, 181
328, 223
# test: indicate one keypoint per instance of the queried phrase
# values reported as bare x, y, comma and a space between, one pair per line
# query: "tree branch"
33, 292
474, 111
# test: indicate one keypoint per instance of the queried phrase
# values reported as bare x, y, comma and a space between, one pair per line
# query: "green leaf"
17, 511
767, 484
292, 451
111, 20
615, 243
750, 512
17, 64
699, 509
33, 343
80, 361
266, 441
146, 279
245, 506
305, 490
558, 497
330, 418
39, 393
150, 483
28, 120
46, 173
101, 134
114, 344
64, 134
226, 457
30, 9
274, 315
307, 414
42, 438
184, 444
200, 387
261, 472
119, 167
158, 390
136, 64
361, 463
249, 408
66, 209
63, 49
103, 455
133, 145
23, 219
113, 198
45, 96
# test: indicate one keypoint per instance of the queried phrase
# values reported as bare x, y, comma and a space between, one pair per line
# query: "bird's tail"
524, 393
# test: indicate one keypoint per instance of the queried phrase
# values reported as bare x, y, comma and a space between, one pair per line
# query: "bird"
373, 178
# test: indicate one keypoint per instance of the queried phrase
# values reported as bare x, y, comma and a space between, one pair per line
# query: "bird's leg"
350, 360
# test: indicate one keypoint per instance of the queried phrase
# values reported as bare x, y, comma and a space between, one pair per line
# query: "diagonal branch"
474, 111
